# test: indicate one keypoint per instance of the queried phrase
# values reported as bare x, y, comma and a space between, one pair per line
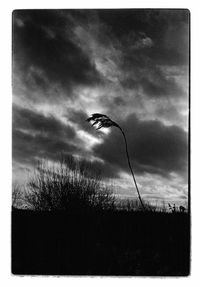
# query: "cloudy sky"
132, 65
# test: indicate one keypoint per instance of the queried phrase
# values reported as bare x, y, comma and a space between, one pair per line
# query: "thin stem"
128, 158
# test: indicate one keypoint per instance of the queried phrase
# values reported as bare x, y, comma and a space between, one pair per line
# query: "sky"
132, 65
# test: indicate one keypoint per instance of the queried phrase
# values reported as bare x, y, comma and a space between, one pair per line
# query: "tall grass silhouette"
71, 185
103, 121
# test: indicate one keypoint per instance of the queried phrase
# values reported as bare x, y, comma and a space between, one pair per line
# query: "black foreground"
100, 243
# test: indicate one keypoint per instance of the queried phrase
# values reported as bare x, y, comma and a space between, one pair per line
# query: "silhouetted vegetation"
72, 225
70, 185
103, 121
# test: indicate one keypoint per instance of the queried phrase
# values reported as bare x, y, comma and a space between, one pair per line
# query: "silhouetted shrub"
17, 197
71, 184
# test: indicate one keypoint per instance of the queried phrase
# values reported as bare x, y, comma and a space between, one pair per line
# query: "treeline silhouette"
70, 225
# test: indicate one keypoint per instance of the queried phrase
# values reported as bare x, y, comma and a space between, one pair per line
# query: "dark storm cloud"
35, 135
167, 27
152, 81
44, 50
79, 117
159, 85
47, 52
148, 39
47, 125
153, 147
29, 148
120, 59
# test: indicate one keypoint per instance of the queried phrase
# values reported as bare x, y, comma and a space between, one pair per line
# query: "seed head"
101, 121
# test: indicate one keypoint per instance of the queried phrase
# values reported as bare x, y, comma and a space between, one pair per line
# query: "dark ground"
106, 243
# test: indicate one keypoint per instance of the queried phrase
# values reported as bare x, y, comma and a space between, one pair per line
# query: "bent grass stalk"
103, 121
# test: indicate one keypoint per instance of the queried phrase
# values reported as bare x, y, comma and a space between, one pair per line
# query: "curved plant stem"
103, 121
128, 158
